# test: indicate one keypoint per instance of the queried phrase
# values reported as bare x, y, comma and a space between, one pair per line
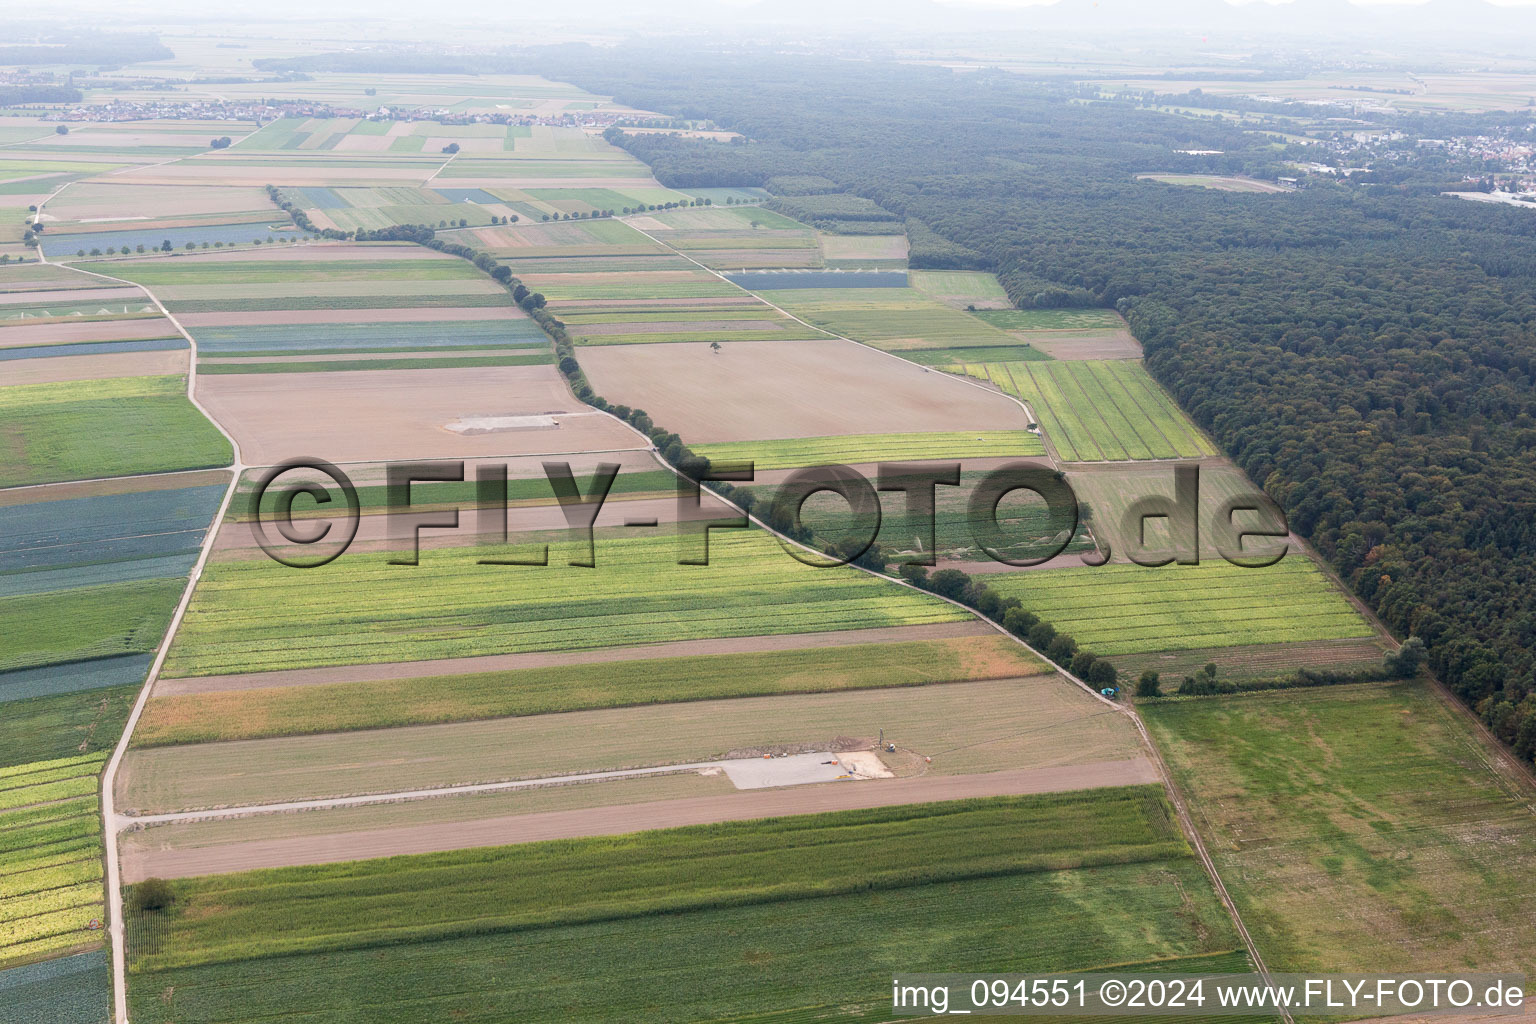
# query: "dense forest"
1365, 353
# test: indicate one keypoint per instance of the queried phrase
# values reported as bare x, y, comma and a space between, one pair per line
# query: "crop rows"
249, 714
1097, 410
50, 856
820, 451
1131, 609
362, 609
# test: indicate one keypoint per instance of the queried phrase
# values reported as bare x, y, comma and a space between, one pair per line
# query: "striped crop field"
794, 452
1097, 410
1133, 609
360, 609
50, 857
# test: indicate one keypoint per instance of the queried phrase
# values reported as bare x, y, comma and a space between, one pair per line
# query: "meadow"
1053, 319
248, 714
937, 887
1378, 798
794, 452
962, 288
112, 427
246, 615
1129, 609
1096, 410
887, 317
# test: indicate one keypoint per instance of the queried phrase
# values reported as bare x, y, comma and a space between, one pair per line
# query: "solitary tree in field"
165, 246
451, 148
1149, 685
714, 347
62, 129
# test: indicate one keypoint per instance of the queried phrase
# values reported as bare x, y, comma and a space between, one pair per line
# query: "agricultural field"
961, 288
1093, 411
1068, 333
1133, 609
864, 252
69, 990
282, 711
811, 389
96, 428
372, 612
1031, 723
1105, 860
1021, 516
791, 453
50, 858
731, 237
890, 318
1219, 182
1379, 797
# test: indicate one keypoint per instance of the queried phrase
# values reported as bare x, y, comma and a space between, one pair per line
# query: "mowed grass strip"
820, 451
1133, 609
361, 609
644, 875
95, 428
1376, 798
290, 711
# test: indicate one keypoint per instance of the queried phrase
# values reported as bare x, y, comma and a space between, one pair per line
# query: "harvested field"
1224, 184
92, 200
20, 335
959, 288
97, 366
1071, 345
169, 687
790, 389
181, 851
366, 416
863, 247
1038, 722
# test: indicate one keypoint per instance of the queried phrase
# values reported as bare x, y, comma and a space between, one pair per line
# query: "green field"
1026, 525
820, 451
709, 923
85, 622
954, 357
95, 428
65, 725
360, 609
247, 714
435, 362
1133, 609
881, 316
50, 857
961, 287
1097, 410
1053, 319
190, 271
1377, 800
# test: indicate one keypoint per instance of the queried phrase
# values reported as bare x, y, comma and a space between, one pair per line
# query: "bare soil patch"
22, 335
785, 389
98, 366
405, 315
365, 416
